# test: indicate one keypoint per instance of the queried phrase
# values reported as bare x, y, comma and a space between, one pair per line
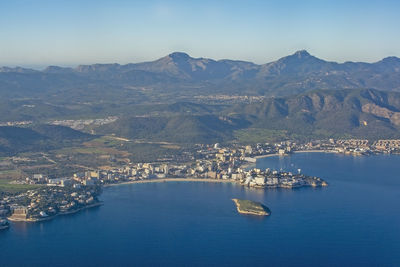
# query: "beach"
161, 180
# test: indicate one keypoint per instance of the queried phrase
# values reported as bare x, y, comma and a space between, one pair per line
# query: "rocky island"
251, 207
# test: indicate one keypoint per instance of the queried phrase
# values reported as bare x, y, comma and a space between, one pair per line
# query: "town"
236, 164
47, 202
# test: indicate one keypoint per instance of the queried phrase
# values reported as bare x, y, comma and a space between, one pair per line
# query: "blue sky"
71, 32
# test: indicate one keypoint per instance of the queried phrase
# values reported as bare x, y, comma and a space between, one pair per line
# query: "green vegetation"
322, 114
147, 152
11, 174
259, 135
38, 138
164, 108
6, 187
314, 115
183, 129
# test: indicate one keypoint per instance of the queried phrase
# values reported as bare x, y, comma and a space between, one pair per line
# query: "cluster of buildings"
81, 124
274, 179
230, 98
60, 182
15, 123
46, 202
387, 145
353, 146
210, 162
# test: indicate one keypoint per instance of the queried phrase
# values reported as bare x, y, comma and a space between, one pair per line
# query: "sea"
355, 221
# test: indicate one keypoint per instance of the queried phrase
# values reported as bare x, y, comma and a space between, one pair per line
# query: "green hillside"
319, 114
38, 138
361, 113
175, 128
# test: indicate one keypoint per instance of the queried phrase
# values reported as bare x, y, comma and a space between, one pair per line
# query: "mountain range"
303, 97
347, 113
179, 74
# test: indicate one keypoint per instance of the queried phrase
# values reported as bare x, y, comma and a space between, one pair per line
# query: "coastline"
294, 152
316, 151
207, 180
237, 203
58, 214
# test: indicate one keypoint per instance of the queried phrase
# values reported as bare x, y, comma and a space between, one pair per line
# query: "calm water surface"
354, 221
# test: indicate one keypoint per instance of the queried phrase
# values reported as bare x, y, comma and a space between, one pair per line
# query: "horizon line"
42, 67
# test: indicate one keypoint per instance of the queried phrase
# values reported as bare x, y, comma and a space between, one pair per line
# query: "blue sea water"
355, 221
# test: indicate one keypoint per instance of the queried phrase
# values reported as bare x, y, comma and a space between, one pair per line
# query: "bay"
353, 221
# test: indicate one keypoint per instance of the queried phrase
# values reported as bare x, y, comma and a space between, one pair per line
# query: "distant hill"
178, 74
327, 113
303, 96
175, 128
38, 138
346, 113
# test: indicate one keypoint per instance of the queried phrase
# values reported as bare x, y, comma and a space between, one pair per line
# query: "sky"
72, 32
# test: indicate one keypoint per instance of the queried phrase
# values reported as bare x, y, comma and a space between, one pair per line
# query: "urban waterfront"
355, 220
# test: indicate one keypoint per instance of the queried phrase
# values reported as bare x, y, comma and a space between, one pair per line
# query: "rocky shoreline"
58, 214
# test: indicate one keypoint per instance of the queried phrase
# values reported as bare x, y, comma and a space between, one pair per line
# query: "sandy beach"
162, 180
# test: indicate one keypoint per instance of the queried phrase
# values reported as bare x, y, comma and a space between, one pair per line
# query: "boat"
4, 224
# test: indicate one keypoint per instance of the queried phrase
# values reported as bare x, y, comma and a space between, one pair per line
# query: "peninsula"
251, 207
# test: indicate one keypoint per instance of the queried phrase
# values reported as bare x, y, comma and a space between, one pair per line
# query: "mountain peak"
179, 55
391, 59
301, 54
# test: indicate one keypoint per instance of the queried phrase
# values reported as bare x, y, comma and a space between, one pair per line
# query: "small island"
251, 207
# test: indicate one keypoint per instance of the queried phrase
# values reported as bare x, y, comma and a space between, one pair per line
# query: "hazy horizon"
42, 33
67, 65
